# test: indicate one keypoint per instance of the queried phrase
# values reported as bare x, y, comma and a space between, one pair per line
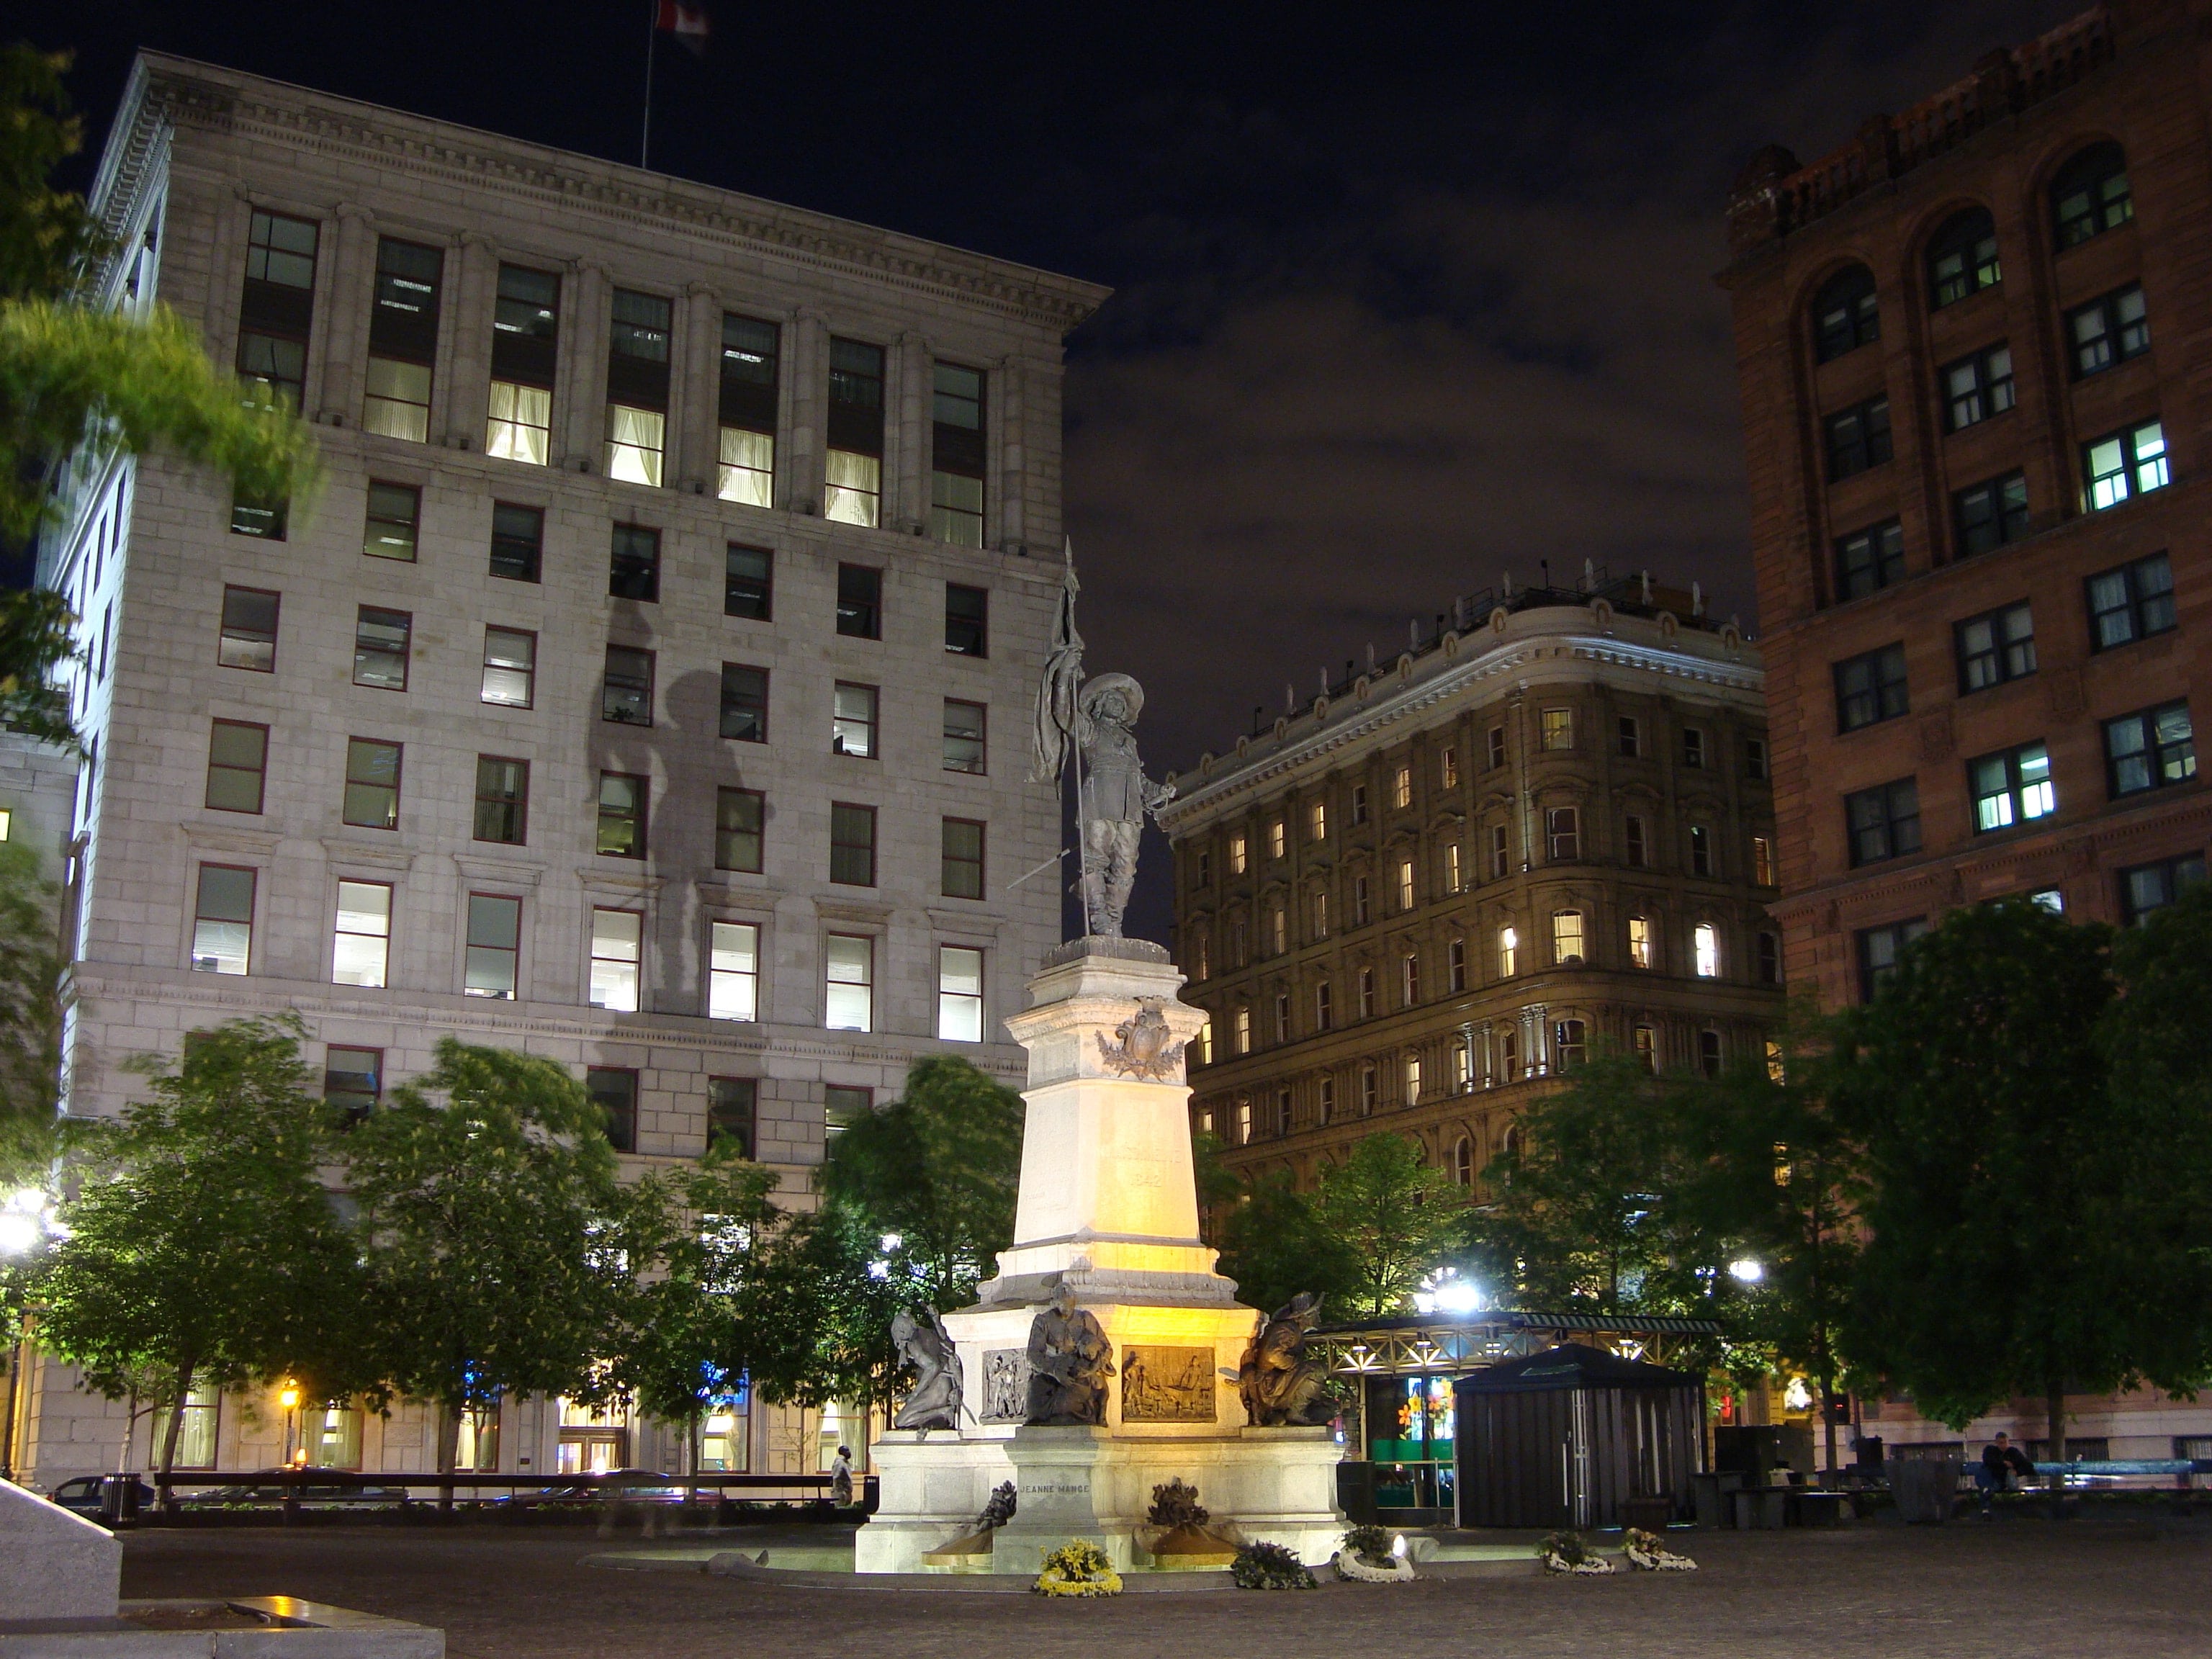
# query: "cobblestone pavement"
2015, 1589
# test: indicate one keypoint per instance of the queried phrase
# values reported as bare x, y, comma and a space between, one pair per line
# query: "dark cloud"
1407, 296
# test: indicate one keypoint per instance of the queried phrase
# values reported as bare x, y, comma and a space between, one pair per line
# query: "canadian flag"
687, 24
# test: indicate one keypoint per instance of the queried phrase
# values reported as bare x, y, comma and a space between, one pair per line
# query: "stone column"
906, 451
807, 374
580, 380
464, 380
695, 392
345, 337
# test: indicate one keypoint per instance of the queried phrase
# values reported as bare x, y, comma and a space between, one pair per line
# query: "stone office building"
644, 690
1415, 901
1970, 345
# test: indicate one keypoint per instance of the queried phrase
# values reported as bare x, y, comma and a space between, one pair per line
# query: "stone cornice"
1546, 658
169, 93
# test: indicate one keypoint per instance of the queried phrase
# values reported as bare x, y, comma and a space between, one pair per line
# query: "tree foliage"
1273, 1245
47, 235
1395, 1216
499, 1232
939, 1168
200, 1247
30, 1016
1999, 1258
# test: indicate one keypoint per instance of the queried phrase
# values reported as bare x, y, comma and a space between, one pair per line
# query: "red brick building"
1974, 348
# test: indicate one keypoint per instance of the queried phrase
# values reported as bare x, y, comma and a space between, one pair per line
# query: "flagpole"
652, 35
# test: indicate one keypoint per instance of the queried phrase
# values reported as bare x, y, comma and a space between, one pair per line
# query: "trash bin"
1924, 1488
118, 1499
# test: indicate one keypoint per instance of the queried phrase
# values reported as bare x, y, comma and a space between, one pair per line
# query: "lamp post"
27, 1228
288, 1397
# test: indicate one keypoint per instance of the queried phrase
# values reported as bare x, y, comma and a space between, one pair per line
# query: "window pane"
222, 926
860, 601
372, 785
634, 566
249, 629
746, 472
502, 799
964, 860
237, 756
733, 972
380, 648
494, 944
510, 667
738, 821
854, 484
616, 937
852, 719
963, 736
394, 511
853, 844
747, 573
363, 933
518, 536
626, 692
959, 994
849, 1003
732, 1107
966, 620
621, 816
745, 703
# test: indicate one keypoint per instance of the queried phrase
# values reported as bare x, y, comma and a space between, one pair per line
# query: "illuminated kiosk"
1109, 1207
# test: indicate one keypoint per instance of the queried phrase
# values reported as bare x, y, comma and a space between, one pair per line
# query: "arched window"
2090, 195
1705, 951
1563, 834
1567, 938
1508, 1053
1463, 1162
1962, 258
1708, 1053
1367, 1090
1325, 1103
1570, 1042
1845, 315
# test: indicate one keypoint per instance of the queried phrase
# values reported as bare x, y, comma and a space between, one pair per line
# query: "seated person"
2003, 1465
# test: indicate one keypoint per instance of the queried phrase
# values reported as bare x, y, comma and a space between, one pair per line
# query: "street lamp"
26, 1226
288, 1397
1745, 1270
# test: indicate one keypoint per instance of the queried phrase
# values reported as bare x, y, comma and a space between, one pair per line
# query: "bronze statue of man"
1114, 797
1070, 1360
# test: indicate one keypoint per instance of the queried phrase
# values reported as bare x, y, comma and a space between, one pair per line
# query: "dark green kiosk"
1405, 1463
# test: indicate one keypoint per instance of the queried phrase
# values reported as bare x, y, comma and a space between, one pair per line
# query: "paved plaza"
2015, 1589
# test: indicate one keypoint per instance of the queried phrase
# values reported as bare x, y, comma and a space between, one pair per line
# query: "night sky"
1405, 297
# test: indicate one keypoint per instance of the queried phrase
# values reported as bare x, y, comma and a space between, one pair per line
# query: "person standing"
840, 1478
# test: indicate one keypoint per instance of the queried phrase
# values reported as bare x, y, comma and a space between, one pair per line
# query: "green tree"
1274, 1245
30, 1017
703, 1240
1581, 1214
938, 1169
200, 1247
498, 1233
824, 1299
77, 379
1396, 1215
1766, 1173
2158, 1133
2000, 1259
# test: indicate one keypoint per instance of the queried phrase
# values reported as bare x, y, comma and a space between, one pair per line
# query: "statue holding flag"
1092, 722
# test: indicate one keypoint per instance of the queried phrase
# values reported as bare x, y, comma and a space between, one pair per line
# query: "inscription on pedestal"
1006, 1385
1161, 1384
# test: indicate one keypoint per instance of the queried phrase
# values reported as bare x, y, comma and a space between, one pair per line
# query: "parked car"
268, 1489
81, 1495
587, 1492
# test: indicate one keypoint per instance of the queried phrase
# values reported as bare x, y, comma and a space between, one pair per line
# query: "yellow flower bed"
1079, 1568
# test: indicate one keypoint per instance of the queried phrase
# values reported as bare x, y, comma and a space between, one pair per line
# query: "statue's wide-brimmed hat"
1097, 687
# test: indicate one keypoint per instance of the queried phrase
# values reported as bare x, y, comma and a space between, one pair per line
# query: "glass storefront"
1409, 1438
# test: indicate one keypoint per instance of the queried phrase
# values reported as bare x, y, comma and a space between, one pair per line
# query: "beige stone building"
1418, 900
643, 691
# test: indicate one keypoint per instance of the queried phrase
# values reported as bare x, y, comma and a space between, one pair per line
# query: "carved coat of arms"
1142, 1047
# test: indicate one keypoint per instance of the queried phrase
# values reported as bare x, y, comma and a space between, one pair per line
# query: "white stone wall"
148, 550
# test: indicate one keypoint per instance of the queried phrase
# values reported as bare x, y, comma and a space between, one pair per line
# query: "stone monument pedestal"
1109, 1209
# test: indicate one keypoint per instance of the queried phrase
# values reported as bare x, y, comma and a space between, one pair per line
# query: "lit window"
1997, 646
510, 668
1558, 728
494, 946
249, 629
1321, 913
1240, 1039
852, 719
1236, 855
842, 1108
1508, 952
1405, 884
2150, 749
1278, 931
1317, 820
1448, 768
2130, 463
1409, 981
748, 412
1762, 861
2013, 786
402, 340
1567, 938
1412, 1075
1451, 867
222, 920
362, 938
851, 994
1401, 787
1640, 941
733, 971
372, 784
637, 386
853, 470
2131, 602
1705, 949
503, 804
1645, 1042
525, 335
616, 936
626, 687
959, 994
1278, 840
